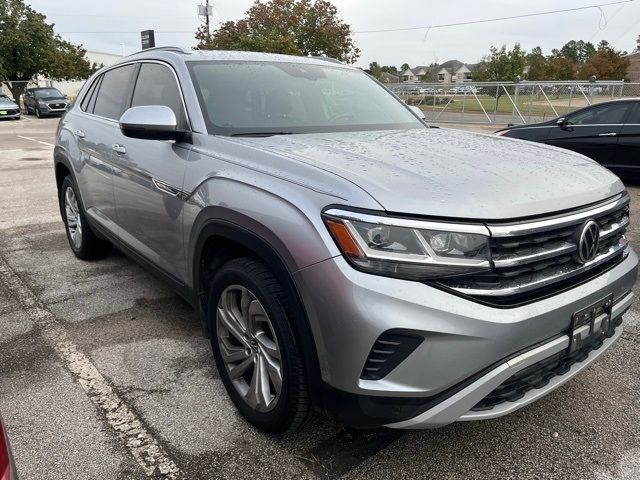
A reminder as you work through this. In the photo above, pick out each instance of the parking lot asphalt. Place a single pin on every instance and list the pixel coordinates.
(104, 374)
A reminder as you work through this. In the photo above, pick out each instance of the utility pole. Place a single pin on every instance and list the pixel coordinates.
(205, 11)
(207, 17)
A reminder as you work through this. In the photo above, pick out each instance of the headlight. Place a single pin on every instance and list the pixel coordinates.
(41, 103)
(410, 249)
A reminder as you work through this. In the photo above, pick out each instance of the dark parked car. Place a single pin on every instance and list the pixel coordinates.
(7, 465)
(8, 108)
(609, 133)
(45, 101)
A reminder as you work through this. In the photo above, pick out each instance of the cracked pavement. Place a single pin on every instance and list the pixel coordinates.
(104, 374)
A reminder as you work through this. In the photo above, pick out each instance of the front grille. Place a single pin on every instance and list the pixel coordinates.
(388, 351)
(539, 374)
(531, 259)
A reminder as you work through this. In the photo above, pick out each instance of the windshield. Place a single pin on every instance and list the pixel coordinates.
(258, 97)
(48, 93)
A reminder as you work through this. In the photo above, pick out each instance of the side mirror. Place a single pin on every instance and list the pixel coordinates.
(562, 122)
(418, 111)
(151, 122)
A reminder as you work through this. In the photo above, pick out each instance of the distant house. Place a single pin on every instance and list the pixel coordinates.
(633, 70)
(455, 71)
(416, 74)
(452, 71)
(387, 77)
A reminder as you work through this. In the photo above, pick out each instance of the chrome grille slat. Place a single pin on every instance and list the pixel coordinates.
(541, 280)
(541, 254)
(531, 257)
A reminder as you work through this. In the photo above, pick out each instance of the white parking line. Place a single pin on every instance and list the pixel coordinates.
(39, 141)
(141, 443)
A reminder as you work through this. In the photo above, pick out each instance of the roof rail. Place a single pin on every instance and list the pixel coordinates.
(166, 49)
(327, 59)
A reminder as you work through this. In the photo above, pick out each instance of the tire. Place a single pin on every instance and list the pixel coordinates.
(267, 305)
(83, 242)
(38, 114)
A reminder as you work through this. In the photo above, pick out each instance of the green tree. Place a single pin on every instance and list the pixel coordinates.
(29, 47)
(502, 64)
(578, 52)
(375, 70)
(405, 66)
(296, 27)
(537, 64)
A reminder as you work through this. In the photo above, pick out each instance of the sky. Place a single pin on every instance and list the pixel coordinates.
(175, 21)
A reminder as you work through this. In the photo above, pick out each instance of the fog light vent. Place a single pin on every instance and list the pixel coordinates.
(388, 351)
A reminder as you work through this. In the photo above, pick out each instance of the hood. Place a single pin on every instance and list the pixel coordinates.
(53, 99)
(450, 173)
(5, 102)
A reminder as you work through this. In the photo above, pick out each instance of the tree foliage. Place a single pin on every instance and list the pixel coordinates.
(606, 64)
(502, 64)
(29, 47)
(296, 27)
(578, 60)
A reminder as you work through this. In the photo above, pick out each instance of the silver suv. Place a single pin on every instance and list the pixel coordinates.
(345, 257)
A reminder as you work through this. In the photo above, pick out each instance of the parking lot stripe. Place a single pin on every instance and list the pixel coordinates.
(117, 414)
(38, 141)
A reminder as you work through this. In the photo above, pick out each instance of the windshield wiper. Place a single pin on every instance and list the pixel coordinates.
(260, 134)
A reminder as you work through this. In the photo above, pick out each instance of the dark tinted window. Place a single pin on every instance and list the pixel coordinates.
(157, 85)
(112, 94)
(634, 116)
(86, 101)
(601, 114)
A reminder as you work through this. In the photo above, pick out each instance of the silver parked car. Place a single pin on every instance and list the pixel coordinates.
(344, 257)
(8, 108)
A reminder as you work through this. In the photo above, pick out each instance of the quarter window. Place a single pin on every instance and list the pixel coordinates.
(90, 95)
(114, 89)
(156, 85)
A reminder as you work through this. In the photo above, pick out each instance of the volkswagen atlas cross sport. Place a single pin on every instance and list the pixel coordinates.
(345, 258)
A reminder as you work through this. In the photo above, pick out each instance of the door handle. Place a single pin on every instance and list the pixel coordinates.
(610, 134)
(119, 148)
(79, 133)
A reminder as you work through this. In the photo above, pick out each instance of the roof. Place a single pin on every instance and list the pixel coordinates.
(389, 76)
(231, 55)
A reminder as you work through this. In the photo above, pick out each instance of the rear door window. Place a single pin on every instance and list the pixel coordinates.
(157, 85)
(114, 91)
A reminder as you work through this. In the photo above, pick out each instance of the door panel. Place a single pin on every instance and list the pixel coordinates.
(597, 142)
(147, 182)
(148, 177)
(96, 174)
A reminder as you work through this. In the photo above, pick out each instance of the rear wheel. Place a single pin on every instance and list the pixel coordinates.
(254, 347)
(83, 242)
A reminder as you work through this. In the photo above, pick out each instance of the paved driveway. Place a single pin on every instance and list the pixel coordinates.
(104, 374)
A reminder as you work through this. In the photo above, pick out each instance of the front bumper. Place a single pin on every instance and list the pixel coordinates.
(462, 357)
(9, 113)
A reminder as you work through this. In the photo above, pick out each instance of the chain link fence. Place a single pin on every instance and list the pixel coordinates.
(503, 103)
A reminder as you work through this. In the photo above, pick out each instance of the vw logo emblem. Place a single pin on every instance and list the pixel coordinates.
(588, 241)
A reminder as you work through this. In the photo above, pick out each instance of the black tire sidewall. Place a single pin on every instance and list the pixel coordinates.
(66, 183)
(278, 420)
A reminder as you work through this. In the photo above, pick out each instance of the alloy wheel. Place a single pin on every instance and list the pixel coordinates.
(72, 212)
(249, 348)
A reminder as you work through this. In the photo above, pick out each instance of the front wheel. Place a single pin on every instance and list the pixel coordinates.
(254, 347)
(38, 114)
(83, 242)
